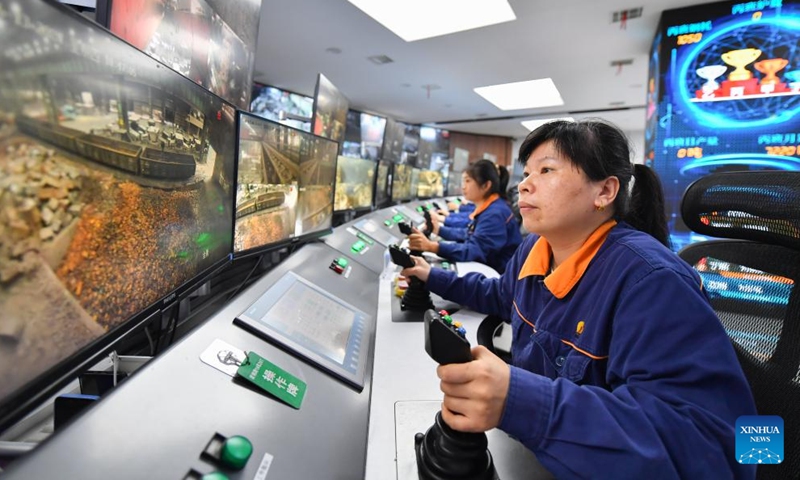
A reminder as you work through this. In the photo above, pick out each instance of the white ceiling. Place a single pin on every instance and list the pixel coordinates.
(571, 41)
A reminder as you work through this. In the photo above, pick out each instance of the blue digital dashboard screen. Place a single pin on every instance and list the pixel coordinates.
(723, 95)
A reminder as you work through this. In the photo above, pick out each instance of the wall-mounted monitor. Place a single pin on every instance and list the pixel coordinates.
(393, 137)
(211, 42)
(382, 183)
(284, 186)
(329, 119)
(401, 182)
(125, 202)
(355, 181)
(430, 184)
(282, 106)
(414, 183)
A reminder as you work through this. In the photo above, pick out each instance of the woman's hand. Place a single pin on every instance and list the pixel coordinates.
(436, 221)
(474, 392)
(421, 269)
(418, 241)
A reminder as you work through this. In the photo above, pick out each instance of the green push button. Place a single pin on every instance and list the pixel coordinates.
(398, 218)
(342, 262)
(214, 476)
(420, 209)
(445, 265)
(388, 223)
(236, 452)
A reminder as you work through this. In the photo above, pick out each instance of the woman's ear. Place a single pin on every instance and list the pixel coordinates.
(609, 188)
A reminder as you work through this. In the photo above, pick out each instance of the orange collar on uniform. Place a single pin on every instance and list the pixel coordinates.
(483, 206)
(563, 278)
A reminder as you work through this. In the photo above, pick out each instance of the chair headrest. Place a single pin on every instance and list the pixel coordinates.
(762, 206)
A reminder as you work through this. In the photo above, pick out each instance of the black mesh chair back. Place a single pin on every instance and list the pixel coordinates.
(751, 281)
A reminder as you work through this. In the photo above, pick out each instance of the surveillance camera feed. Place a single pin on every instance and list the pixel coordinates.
(317, 176)
(330, 110)
(355, 179)
(454, 183)
(414, 183)
(393, 137)
(372, 128)
(410, 145)
(382, 183)
(211, 42)
(267, 184)
(351, 146)
(284, 107)
(116, 182)
(430, 184)
(401, 183)
(285, 183)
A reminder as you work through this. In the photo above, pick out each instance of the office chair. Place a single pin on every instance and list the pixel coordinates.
(751, 282)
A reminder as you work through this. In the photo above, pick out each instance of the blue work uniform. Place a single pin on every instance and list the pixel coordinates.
(491, 238)
(620, 367)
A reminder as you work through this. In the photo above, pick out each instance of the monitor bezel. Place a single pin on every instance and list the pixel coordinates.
(387, 187)
(315, 112)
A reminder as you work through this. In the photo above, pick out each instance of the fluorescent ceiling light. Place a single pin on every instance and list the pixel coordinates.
(417, 19)
(515, 96)
(534, 124)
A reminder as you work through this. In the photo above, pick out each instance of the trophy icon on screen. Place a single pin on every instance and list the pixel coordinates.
(740, 59)
(794, 79)
(710, 73)
(769, 68)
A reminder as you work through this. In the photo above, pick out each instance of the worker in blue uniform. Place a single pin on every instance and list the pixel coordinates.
(492, 235)
(620, 367)
(460, 218)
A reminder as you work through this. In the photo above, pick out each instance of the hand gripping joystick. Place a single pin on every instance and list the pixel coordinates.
(444, 453)
(417, 297)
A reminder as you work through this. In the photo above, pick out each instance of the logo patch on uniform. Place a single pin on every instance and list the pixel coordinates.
(759, 439)
(579, 328)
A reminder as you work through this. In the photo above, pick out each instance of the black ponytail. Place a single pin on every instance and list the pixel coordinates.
(502, 172)
(646, 212)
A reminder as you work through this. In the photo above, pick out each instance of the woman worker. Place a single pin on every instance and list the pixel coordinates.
(620, 367)
(491, 237)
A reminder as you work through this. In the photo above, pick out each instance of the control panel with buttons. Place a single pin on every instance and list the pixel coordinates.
(339, 265)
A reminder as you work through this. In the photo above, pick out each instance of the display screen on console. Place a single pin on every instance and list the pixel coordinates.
(309, 321)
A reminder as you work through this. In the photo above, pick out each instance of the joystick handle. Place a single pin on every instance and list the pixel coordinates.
(428, 224)
(405, 228)
(445, 339)
(400, 257)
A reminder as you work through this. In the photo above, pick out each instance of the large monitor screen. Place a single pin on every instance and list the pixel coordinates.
(393, 138)
(284, 187)
(303, 318)
(351, 146)
(267, 186)
(372, 130)
(355, 180)
(723, 95)
(118, 177)
(382, 183)
(414, 183)
(430, 184)
(211, 42)
(330, 110)
(401, 183)
(434, 147)
(410, 145)
(284, 107)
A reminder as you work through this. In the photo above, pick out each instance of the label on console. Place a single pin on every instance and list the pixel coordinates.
(273, 379)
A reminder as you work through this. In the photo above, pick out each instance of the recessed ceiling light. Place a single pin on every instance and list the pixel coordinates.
(529, 94)
(534, 124)
(417, 19)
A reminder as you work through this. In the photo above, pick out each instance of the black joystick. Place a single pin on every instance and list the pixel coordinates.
(436, 206)
(405, 228)
(416, 297)
(428, 224)
(444, 453)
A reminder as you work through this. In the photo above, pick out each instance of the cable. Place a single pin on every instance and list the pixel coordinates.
(235, 292)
